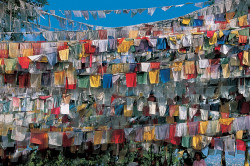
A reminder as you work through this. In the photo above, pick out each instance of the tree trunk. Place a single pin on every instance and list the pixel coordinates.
(246, 157)
(170, 151)
(223, 159)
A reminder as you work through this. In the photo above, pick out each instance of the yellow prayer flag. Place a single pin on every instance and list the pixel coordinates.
(186, 21)
(94, 81)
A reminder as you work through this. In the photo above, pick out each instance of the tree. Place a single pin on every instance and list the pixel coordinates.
(16, 14)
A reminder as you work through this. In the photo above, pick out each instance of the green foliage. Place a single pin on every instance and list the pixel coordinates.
(105, 158)
(37, 159)
(172, 156)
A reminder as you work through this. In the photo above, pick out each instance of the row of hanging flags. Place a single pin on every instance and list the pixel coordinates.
(187, 85)
(29, 10)
(102, 13)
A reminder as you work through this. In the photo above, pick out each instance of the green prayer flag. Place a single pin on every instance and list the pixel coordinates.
(142, 78)
(83, 81)
(206, 45)
(224, 60)
(231, 36)
(244, 32)
(185, 142)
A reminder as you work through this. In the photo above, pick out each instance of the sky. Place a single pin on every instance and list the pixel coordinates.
(117, 20)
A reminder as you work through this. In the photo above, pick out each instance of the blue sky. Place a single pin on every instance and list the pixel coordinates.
(116, 20)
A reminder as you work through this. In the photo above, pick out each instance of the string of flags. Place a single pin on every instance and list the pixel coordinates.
(71, 25)
(102, 13)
